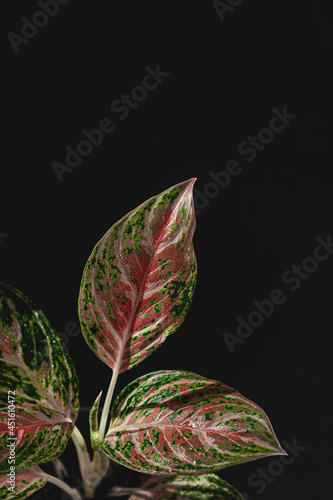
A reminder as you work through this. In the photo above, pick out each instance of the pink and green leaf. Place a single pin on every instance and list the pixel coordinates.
(177, 422)
(34, 362)
(27, 482)
(40, 435)
(138, 283)
(201, 487)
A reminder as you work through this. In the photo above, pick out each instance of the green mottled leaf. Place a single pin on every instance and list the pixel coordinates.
(93, 423)
(38, 383)
(179, 422)
(27, 482)
(139, 280)
(40, 435)
(203, 487)
(34, 362)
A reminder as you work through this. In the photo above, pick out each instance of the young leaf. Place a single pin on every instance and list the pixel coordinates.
(41, 435)
(139, 279)
(26, 482)
(34, 362)
(179, 422)
(93, 423)
(203, 487)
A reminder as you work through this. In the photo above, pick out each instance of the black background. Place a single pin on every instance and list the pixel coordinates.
(225, 79)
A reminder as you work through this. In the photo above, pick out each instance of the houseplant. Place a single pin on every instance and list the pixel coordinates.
(180, 427)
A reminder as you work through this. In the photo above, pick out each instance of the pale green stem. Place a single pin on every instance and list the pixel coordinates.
(92, 471)
(72, 492)
(82, 452)
(59, 468)
(107, 403)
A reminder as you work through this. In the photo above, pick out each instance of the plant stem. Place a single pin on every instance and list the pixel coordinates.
(82, 452)
(92, 471)
(107, 403)
(72, 492)
(59, 468)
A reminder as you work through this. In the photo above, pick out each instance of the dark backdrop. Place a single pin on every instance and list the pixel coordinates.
(226, 72)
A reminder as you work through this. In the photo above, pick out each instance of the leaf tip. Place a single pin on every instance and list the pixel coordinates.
(187, 185)
(278, 450)
(190, 182)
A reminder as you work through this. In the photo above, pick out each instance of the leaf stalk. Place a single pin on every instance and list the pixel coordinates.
(107, 403)
(72, 492)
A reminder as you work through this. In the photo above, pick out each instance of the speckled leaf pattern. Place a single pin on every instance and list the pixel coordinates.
(27, 482)
(139, 279)
(179, 422)
(202, 487)
(34, 362)
(41, 435)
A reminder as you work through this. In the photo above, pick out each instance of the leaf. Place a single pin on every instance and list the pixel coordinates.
(27, 482)
(34, 362)
(179, 422)
(139, 280)
(93, 423)
(203, 487)
(41, 435)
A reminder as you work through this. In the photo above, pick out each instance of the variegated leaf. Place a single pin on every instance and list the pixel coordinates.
(34, 362)
(139, 279)
(202, 487)
(40, 435)
(93, 423)
(26, 483)
(179, 422)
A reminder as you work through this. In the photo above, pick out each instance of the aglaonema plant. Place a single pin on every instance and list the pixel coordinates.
(180, 427)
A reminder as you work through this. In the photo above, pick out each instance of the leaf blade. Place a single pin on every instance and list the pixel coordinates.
(202, 487)
(34, 361)
(139, 280)
(41, 435)
(93, 423)
(179, 422)
(27, 482)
